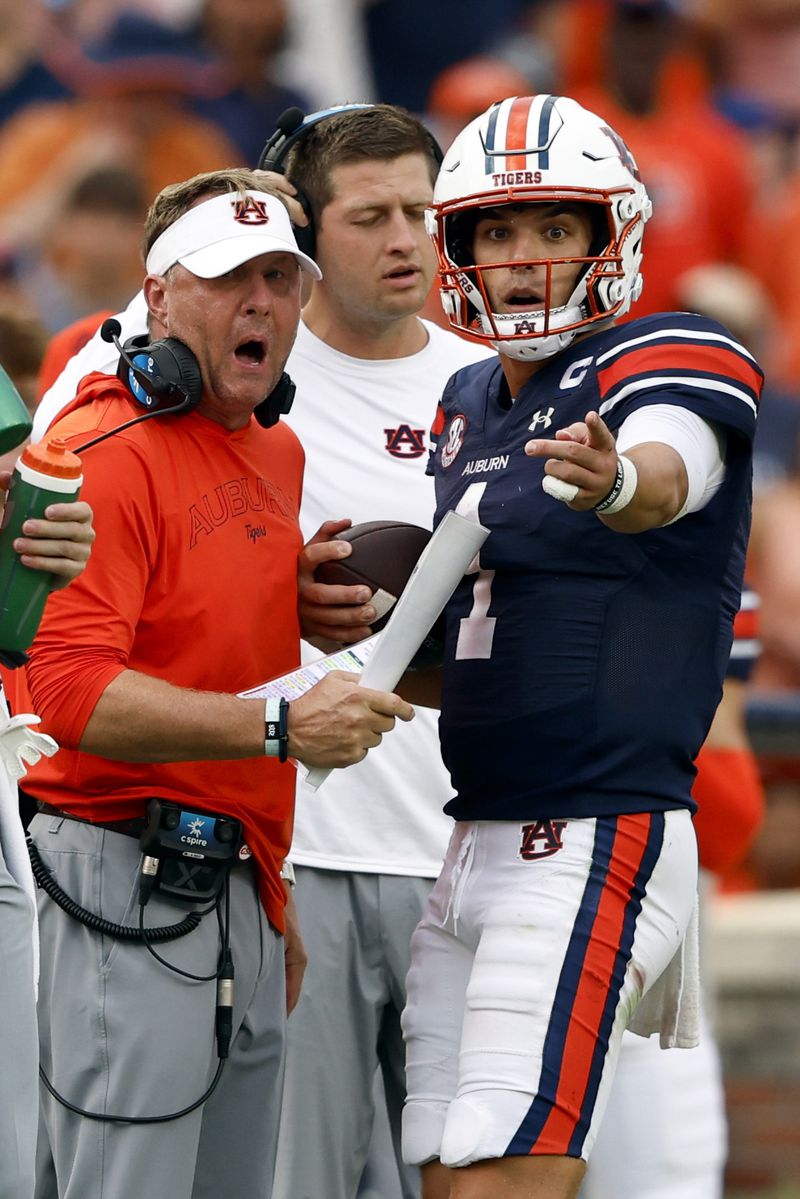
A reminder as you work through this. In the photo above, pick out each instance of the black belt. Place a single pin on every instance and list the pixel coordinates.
(128, 828)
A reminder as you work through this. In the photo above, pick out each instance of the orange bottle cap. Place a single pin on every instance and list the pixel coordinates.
(52, 458)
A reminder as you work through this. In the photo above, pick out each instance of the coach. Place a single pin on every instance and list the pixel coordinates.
(191, 599)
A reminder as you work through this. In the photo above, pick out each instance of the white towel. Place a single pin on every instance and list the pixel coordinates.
(12, 836)
(671, 1007)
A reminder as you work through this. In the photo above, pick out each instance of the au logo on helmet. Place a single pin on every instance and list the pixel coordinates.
(625, 155)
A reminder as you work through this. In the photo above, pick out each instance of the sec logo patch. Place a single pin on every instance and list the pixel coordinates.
(455, 439)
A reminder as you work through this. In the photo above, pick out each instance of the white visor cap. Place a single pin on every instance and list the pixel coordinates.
(220, 234)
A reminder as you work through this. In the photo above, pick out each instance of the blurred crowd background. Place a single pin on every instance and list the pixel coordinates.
(102, 103)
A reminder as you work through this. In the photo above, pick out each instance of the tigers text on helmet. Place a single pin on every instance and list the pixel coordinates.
(539, 150)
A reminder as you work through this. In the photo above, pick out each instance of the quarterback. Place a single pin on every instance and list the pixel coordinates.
(584, 655)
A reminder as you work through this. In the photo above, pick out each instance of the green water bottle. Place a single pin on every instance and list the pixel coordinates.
(15, 420)
(46, 473)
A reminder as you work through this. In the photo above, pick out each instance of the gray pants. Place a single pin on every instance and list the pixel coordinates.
(121, 1034)
(19, 1054)
(357, 929)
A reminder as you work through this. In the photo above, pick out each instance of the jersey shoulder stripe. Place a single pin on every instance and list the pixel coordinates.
(681, 354)
(672, 326)
(690, 357)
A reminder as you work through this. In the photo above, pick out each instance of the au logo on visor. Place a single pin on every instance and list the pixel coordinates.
(250, 211)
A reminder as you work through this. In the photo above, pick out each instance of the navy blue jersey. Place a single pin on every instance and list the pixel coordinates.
(583, 666)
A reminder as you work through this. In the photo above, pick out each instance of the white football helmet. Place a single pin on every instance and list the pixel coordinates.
(530, 150)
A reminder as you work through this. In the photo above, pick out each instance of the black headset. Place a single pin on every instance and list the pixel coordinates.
(161, 375)
(164, 377)
(291, 126)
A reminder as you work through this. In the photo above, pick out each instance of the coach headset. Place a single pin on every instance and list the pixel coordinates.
(291, 127)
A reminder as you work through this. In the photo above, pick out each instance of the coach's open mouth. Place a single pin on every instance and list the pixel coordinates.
(252, 352)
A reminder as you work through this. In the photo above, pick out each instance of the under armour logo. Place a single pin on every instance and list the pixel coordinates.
(541, 839)
(250, 211)
(545, 419)
(405, 442)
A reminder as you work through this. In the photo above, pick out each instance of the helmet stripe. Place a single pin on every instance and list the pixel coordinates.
(544, 132)
(517, 132)
(491, 131)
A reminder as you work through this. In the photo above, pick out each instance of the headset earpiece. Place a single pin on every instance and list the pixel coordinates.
(277, 404)
(291, 126)
(161, 375)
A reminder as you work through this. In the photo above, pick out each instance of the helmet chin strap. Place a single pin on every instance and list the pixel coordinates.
(540, 345)
(535, 351)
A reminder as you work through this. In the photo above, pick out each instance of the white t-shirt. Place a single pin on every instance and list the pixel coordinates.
(364, 427)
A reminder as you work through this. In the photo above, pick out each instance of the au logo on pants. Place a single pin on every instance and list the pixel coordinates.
(541, 839)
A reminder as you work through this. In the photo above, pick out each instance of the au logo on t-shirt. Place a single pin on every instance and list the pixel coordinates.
(405, 442)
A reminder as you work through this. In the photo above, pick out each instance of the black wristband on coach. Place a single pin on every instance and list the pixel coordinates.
(276, 729)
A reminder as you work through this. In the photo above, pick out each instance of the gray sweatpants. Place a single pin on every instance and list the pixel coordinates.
(121, 1034)
(357, 930)
(19, 1054)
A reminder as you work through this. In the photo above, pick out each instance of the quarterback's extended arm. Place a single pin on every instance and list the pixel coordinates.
(665, 462)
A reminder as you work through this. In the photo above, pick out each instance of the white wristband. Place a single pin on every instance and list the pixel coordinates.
(624, 488)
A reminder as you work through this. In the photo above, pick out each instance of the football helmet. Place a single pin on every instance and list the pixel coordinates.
(530, 150)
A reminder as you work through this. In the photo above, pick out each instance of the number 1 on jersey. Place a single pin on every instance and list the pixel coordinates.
(476, 631)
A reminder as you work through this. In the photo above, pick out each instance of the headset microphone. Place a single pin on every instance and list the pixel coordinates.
(110, 329)
(287, 123)
(151, 370)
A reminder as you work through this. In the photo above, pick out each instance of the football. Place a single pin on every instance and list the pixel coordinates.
(384, 555)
